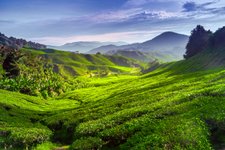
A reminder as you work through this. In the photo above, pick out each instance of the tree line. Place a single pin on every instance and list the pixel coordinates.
(201, 40)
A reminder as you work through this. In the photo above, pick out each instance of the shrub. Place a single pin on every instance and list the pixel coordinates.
(24, 137)
(87, 143)
(45, 146)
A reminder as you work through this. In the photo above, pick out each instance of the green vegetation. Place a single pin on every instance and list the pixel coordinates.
(72, 64)
(177, 106)
(49, 73)
(31, 75)
(202, 40)
(148, 56)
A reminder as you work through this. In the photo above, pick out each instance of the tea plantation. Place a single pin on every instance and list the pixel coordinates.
(180, 105)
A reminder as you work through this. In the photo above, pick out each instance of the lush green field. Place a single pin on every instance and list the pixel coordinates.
(73, 64)
(180, 105)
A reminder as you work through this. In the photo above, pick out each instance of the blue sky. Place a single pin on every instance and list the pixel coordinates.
(57, 22)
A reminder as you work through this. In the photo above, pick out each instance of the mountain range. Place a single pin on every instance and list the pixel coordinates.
(166, 43)
(168, 46)
(84, 46)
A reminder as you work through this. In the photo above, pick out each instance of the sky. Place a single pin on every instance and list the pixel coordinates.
(55, 22)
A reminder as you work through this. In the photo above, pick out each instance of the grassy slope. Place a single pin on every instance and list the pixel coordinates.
(178, 106)
(148, 57)
(67, 63)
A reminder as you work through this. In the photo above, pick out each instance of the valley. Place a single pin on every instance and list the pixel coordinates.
(52, 99)
(112, 75)
(163, 109)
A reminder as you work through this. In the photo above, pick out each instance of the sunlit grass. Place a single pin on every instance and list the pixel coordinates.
(177, 106)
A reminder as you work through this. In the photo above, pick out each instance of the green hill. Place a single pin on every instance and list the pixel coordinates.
(177, 106)
(146, 56)
(73, 64)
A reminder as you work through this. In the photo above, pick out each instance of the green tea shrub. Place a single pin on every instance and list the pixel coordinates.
(87, 143)
(25, 137)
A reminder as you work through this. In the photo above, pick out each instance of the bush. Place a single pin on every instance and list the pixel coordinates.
(87, 143)
(45, 146)
(22, 137)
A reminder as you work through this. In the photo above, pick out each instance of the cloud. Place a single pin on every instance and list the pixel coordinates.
(189, 6)
(129, 18)
(129, 15)
(149, 15)
(117, 21)
(192, 6)
(204, 11)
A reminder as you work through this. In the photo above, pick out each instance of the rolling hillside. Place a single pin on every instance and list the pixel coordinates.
(73, 64)
(112, 75)
(145, 56)
(177, 106)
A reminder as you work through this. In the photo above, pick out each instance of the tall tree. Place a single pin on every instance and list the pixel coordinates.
(198, 41)
(218, 38)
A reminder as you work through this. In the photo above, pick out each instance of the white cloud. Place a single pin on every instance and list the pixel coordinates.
(163, 14)
(135, 14)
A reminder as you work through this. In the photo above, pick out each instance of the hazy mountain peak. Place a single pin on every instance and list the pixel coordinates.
(85, 46)
(167, 42)
(168, 37)
(170, 33)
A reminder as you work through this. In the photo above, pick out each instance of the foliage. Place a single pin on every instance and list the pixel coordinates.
(198, 41)
(69, 64)
(35, 77)
(87, 143)
(217, 40)
(167, 108)
(178, 105)
(9, 64)
(202, 40)
(45, 146)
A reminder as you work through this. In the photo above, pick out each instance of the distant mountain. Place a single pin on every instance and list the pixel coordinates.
(167, 43)
(84, 46)
(107, 48)
(19, 43)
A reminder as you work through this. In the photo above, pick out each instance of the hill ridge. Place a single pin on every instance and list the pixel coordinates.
(167, 42)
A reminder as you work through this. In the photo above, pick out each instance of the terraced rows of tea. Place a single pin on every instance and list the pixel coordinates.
(73, 64)
(169, 108)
